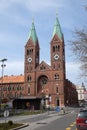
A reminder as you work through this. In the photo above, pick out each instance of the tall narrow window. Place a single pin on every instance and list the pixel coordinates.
(27, 52)
(28, 91)
(53, 48)
(56, 89)
(58, 48)
(29, 78)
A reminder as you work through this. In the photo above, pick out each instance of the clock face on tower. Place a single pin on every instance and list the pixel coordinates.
(29, 59)
(56, 56)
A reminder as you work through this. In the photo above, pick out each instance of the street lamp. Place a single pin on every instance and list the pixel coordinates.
(1, 88)
(43, 100)
(49, 100)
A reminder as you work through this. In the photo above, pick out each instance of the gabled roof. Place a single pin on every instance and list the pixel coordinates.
(33, 34)
(44, 65)
(57, 29)
(12, 79)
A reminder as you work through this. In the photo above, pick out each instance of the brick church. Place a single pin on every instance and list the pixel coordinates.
(41, 84)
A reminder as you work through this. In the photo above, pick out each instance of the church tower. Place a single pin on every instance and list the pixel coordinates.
(57, 51)
(31, 60)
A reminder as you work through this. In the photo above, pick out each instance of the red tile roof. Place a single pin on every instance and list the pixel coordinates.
(12, 79)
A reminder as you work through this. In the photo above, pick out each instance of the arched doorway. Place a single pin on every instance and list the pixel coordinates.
(41, 90)
(41, 83)
(57, 102)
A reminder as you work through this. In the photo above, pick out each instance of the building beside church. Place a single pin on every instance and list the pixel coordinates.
(41, 84)
(82, 95)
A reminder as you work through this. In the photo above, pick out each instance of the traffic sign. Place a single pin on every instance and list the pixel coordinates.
(6, 113)
(57, 109)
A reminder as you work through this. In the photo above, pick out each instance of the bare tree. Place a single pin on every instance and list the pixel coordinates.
(79, 48)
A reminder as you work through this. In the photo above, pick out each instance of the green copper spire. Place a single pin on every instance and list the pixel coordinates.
(32, 34)
(57, 29)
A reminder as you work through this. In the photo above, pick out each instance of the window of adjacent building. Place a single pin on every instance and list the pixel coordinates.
(16, 95)
(80, 96)
(56, 76)
(20, 94)
(9, 88)
(13, 88)
(18, 88)
(22, 88)
(81, 91)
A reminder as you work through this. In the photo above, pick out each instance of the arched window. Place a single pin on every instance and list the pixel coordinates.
(20, 94)
(56, 76)
(43, 80)
(29, 90)
(29, 51)
(42, 67)
(29, 78)
(53, 48)
(58, 47)
(56, 89)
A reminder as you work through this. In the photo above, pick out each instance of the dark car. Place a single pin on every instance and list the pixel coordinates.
(81, 120)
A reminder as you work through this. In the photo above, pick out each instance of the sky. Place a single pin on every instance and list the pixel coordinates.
(15, 23)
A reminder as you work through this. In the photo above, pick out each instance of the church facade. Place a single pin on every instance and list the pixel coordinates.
(44, 84)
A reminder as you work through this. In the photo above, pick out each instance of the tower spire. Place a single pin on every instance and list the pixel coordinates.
(32, 33)
(57, 29)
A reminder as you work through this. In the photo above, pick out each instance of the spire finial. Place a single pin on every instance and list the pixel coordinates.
(32, 33)
(32, 20)
(57, 28)
(57, 14)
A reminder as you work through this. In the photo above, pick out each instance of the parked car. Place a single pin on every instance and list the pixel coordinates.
(81, 120)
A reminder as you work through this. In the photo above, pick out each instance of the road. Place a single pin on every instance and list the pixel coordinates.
(55, 122)
(60, 123)
(48, 121)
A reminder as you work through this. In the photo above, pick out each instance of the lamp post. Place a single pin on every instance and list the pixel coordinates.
(42, 100)
(49, 99)
(1, 88)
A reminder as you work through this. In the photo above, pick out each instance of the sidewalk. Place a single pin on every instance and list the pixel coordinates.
(30, 120)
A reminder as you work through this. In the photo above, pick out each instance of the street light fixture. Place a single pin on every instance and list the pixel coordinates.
(1, 88)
